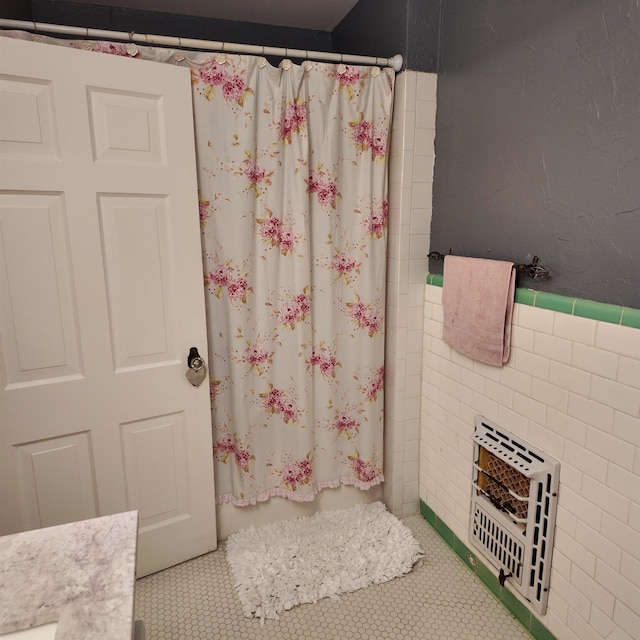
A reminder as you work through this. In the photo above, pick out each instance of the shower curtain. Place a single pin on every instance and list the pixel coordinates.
(293, 207)
(292, 164)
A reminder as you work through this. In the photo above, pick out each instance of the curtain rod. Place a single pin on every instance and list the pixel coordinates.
(207, 45)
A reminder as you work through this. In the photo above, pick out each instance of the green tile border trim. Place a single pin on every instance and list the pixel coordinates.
(487, 576)
(435, 279)
(631, 317)
(614, 314)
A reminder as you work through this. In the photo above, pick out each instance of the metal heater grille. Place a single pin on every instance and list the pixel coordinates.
(513, 508)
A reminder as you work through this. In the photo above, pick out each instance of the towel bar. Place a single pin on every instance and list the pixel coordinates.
(533, 269)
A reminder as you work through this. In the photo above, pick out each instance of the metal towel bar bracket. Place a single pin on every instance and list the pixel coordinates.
(533, 269)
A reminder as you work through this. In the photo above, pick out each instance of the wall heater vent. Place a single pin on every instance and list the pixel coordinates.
(513, 509)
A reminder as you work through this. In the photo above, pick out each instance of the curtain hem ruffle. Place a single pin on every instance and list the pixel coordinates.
(294, 496)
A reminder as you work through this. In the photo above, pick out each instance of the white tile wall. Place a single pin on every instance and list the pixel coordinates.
(572, 386)
(410, 187)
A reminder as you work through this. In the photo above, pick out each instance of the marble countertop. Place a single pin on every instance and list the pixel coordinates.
(80, 575)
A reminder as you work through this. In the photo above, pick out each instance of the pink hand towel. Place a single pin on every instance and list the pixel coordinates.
(477, 301)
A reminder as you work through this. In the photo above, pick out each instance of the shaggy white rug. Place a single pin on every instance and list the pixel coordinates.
(281, 565)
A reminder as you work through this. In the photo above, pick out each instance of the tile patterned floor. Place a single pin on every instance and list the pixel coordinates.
(439, 600)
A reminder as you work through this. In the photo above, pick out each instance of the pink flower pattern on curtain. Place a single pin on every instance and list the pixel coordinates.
(293, 209)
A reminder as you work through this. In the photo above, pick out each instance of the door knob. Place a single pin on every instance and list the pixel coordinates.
(196, 367)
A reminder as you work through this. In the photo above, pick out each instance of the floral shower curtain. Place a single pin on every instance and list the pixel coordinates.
(292, 172)
(293, 207)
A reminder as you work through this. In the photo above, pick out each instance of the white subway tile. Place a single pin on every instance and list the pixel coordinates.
(421, 222)
(556, 620)
(581, 626)
(536, 319)
(550, 394)
(591, 412)
(411, 450)
(516, 380)
(522, 338)
(601, 622)
(621, 534)
(627, 619)
(483, 405)
(598, 544)
(634, 516)
(566, 522)
(585, 511)
(570, 378)
(423, 164)
(610, 447)
(618, 585)
(486, 370)
(396, 170)
(588, 358)
(498, 392)
(433, 328)
(574, 328)
(426, 114)
(450, 369)
(532, 364)
(561, 564)
(616, 395)
(512, 421)
(410, 469)
(572, 596)
(472, 380)
(414, 364)
(619, 339)
(440, 348)
(415, 321)
(605, 498)
(418, 248)
(416, 293)
(413, 387)
(588, 462)
(405, 219)
(547, 440)
(568, 427)
(624, 482)
(426, 84)
(412, 413)
(552, 347)
(433, 294)
(530, 408)
(570, 477)
(411, 79)
(400, 89)
(593, 589)
(630, 568)
(421, 195)
(629, 372)
(423, 146)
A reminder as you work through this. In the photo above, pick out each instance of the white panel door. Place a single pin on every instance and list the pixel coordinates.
(101, 297)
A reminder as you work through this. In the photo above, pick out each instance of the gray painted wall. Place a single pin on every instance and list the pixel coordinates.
(15, 9)
(383, 28)
(373, 28)
(538, 141)
(117, 19)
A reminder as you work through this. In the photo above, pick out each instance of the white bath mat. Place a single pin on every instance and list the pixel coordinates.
(281, 565)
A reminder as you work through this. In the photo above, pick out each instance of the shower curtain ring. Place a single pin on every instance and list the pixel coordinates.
(131, 34)
(35, 26)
